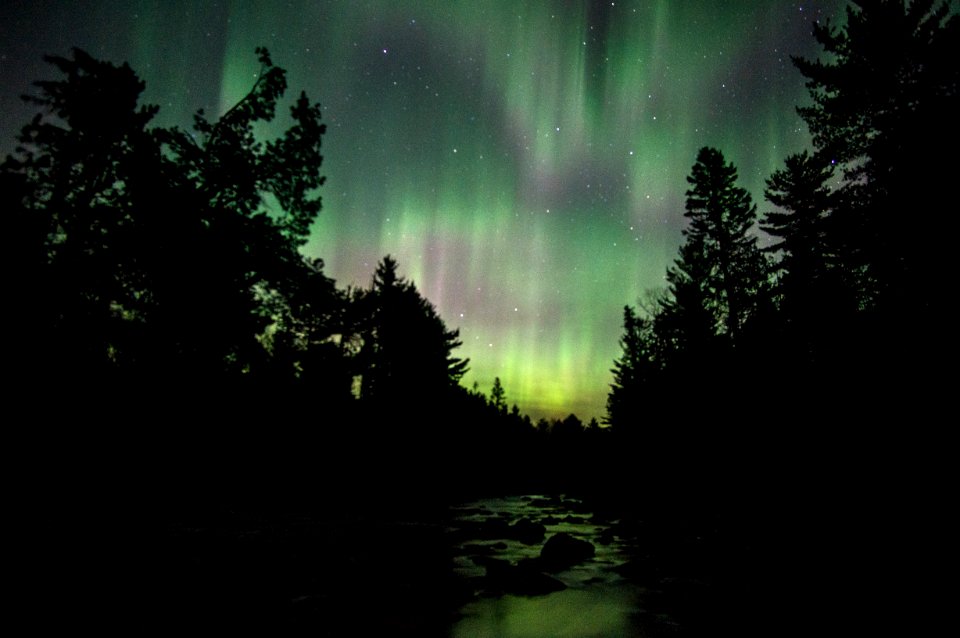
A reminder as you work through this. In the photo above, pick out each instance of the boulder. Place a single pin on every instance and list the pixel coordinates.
(562, 551)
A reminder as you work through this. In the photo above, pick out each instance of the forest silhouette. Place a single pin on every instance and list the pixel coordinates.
(162, 279)
(193, 364)
(844, 310)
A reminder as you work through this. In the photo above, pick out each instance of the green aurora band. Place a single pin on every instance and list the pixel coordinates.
(525, 162)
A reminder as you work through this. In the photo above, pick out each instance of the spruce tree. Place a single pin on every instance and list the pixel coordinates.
(498, 397)
(801, 192)
(634, 372)
(720, 278)
(407, 349)
(701, 329)
(816, 294)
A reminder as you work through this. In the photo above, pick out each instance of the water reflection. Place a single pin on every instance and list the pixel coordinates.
(598, 611)
(597, 601)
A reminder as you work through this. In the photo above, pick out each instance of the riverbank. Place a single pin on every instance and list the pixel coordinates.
(223, 538)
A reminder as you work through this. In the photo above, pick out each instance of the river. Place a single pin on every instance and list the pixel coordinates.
(597, 600)
(510, 566)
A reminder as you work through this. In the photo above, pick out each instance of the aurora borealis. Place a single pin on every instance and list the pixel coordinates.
(525, 162)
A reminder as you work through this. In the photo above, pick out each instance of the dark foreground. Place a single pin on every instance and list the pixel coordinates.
(278, 538)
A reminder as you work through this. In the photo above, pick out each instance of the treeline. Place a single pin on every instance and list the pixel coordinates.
(158, 291)
(169, 259)
(789, 398)
(155, 279)
(842, 319)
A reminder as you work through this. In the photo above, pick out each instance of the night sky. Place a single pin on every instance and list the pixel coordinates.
(525, 162)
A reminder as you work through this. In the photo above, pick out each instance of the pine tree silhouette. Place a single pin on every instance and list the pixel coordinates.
(720, 278)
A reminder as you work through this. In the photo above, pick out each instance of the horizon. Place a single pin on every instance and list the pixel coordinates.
(526, 165)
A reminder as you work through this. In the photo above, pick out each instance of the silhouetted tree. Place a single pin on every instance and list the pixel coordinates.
(73, 174)
(633, 373)
(498, 397)
(685, 324)
(884, 98)
(816, 294)
(251, 274)
(704, 331)
(801, 191)
(156, 253)
(407, 349)
(313, 341)
(720, 279)
(567, 429)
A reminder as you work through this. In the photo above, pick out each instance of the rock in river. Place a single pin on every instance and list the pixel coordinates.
(562, 551)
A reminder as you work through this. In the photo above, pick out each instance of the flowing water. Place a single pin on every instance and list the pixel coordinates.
(597, 601)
